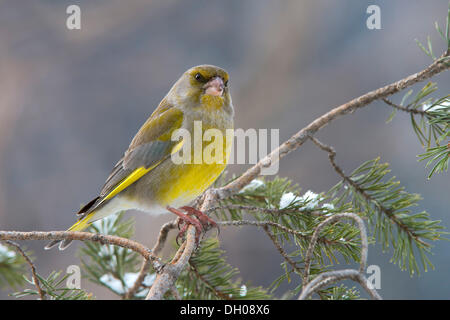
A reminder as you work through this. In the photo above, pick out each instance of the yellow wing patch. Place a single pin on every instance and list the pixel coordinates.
(133, 177)
(82, 223)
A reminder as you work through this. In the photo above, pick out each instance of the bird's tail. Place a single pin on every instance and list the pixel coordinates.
(80, 225)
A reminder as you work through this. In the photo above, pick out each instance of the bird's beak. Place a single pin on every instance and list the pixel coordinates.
(214, 87)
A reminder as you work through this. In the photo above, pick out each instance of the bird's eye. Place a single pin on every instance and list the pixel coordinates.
(199, 77)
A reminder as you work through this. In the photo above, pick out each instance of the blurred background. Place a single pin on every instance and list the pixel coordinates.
(71, 100)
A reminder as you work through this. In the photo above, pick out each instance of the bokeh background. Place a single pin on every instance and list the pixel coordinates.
(71, 100)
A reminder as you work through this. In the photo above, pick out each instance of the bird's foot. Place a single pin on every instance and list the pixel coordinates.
(206, 221)
(188, 220)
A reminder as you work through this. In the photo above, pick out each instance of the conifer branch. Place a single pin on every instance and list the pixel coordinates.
(281, 250)
(432, 127)
(387, 211)
(167, 279)
(211, 277)
(326, 278)
(218, 293)
(404, 109)
(265, 224)
(54, 288)
(32, 267)
(334, 218)
(273, 211)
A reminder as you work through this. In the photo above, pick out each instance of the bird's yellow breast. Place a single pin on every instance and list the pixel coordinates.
(184, 182)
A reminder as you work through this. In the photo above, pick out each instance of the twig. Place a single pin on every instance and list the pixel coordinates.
(327, 278)
(175, 293)
(273, 211)
(264, 223)
(330, 277)
(402, 108)
(138, 282)
(146, 263)
(163, 236)
(165, 279)
(33, 268)
(281, 250)
(334, 218)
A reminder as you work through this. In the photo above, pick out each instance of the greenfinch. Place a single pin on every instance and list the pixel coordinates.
(146, 178)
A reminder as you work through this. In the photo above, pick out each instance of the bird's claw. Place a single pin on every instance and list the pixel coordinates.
(206, 221)
(188, 220)
(201, 223)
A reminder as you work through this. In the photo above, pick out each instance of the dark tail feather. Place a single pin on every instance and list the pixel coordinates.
(51, 244)
(63, 244)
(88, 206)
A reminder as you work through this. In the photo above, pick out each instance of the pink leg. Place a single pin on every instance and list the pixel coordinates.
(204, 219)
(186, 218)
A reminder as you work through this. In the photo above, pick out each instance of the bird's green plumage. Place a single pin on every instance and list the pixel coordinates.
(150, 146)
(146, 178)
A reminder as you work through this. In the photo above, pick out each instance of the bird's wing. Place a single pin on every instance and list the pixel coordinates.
(151, 145)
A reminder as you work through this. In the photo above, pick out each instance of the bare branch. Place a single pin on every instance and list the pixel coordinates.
(327, 278)
(138, 282)
(165, 280)
(84, 236)
(163, 236)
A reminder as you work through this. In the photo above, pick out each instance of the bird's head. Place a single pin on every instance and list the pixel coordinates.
(200, 85)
